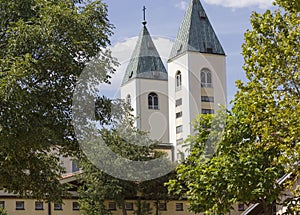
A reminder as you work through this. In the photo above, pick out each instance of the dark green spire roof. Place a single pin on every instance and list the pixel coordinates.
(196, 33)
(145, 61)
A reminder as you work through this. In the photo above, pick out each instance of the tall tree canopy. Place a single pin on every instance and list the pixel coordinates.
(261, 141)
(44, 46)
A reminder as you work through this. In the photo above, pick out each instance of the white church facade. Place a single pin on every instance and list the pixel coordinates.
(166, 101)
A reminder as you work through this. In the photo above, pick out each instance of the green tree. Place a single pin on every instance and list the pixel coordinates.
(260, 142)
(143, 208)
(44, 46)
(271, 52)
(155, 190)
(98, 186)
(270, 99)
(127, 141)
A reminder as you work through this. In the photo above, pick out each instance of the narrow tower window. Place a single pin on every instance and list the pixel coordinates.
(128, 99)
(207, 99)
(179, 129)
(178, 114)
(206, 78)
(178, 81)
(208, 111)
(153, 101)
(178, 102)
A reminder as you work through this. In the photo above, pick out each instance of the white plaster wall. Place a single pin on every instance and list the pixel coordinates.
(131, 89)
(156, 122)
(178, 64)
(217, 65)
(190, 65)
(153, 121)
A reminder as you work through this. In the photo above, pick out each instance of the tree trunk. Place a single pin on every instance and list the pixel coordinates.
(157, 207)
(139, 205)
(124, 212)
(268, 209)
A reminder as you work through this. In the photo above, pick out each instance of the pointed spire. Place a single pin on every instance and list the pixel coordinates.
(196, 33)
(145, 61)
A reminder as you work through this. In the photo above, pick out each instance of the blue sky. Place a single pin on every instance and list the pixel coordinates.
(229, 18)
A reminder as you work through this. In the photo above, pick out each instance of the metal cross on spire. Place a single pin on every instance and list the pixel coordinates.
(144, 13)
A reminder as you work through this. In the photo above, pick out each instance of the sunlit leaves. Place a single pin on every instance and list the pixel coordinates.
(44, 46)
(261, 138)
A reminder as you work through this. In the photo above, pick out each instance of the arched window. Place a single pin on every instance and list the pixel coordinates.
(128, 99)
(206, 78)
(178, 80)
(152, 101)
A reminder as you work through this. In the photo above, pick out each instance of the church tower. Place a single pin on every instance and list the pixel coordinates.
(145, 88)
(196, 74)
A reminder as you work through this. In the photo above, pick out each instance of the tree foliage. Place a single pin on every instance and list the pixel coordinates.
(143, 208)
(155, 190)
(127, 141)
(44, 46)
(260, 142)
(3, 211)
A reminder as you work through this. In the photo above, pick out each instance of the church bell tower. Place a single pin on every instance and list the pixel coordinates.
(196, 74)
(145, 88)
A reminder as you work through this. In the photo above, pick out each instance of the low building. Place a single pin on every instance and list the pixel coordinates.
(16, 205)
